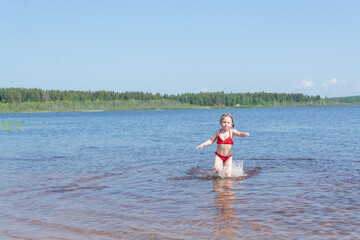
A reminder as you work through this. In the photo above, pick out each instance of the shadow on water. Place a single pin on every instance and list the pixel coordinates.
(209, 174)
(288, 159)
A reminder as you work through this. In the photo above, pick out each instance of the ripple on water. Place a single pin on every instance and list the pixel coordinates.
(120, 175)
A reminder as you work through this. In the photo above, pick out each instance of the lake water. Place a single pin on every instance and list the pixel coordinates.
(136, 175)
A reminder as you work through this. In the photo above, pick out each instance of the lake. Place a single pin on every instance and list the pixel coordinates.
(136, 175)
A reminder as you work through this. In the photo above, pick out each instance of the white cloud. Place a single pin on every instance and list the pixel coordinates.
(306, 83)
(204, 89)
(332, 82)
(333, 87)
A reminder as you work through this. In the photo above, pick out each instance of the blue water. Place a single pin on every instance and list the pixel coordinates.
(136, 175)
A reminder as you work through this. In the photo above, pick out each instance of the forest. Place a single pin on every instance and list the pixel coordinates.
(34, 99)
(349, 100)
(21, 95)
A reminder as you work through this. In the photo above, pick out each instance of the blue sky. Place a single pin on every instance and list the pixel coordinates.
(173, 46)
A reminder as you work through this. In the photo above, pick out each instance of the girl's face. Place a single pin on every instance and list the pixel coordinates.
(226, 123)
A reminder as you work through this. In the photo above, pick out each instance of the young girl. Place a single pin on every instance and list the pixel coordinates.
(224, 136)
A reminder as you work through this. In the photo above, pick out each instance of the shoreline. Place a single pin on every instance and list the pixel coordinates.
(22, 100)
(183, 107)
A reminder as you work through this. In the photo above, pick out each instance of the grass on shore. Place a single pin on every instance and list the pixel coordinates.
(121, 105)
(65, 106)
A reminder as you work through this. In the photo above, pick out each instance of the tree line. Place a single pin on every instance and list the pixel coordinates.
(350, 100)
(24, 95)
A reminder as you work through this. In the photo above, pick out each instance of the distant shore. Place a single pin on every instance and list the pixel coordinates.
(132, 105)
(22, 100)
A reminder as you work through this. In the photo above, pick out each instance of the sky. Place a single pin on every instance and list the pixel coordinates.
(179, 46)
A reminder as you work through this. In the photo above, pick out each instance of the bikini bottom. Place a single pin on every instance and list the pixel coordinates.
(223, 158)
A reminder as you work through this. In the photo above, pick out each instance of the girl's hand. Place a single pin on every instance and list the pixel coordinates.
(246, 134)
(200, 146)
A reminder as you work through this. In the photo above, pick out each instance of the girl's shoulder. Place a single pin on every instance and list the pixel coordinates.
(234, 132)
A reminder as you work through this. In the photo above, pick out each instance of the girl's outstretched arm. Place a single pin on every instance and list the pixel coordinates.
(240, 134)
(208, 142)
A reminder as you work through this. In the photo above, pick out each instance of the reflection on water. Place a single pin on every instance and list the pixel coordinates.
(225, 220)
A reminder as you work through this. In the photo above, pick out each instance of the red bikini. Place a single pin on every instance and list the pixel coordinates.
(226, 141)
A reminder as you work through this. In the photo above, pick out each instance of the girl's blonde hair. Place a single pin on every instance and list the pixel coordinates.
(225, 115)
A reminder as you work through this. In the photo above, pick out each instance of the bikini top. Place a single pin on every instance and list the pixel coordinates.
(226, 141)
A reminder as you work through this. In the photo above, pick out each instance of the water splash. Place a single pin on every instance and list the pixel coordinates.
(237, 171)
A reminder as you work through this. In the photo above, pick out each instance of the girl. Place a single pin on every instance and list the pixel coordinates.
(224, 136)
